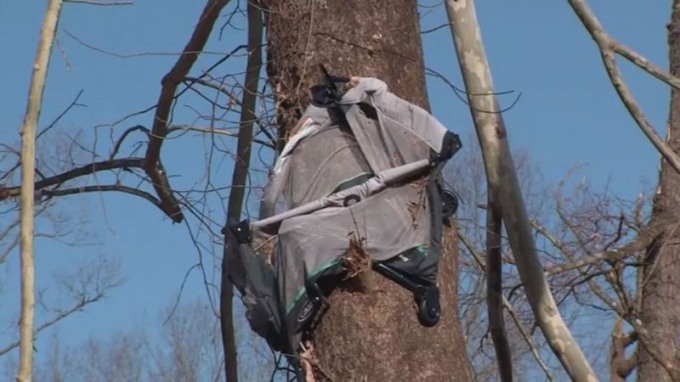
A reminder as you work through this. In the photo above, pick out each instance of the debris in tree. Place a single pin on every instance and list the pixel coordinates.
(310, 365)
(308, 361)
(346, 172)
(356, 259)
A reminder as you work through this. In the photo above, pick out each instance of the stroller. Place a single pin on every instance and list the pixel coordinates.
(358, 176)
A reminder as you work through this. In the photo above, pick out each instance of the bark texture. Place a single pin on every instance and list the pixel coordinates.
(504, 187)
(27, 203)
(494, 286)
(371, 336)
(660, 312)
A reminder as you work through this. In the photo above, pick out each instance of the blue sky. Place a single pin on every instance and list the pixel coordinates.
(568, 114)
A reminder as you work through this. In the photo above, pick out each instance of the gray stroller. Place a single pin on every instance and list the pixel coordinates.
(359, 177)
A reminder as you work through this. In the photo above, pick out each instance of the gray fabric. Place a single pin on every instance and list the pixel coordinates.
(403, 132)
(313, 241)
(384, 137)
(362, 191)
(313, 120)
(321, 162)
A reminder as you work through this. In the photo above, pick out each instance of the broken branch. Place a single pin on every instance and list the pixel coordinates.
(170, 81)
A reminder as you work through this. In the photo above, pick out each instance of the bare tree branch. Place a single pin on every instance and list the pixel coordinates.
(508, 307)
(643, 241)
(219, 88)
(78, 306)
(62, 114)
(89, 169)
(238, 182)
(608, 48)
(99, 3)
(620, 366)
(494, 287)
(27, 203)
(105, 188)
(127, 132)
(170, 81)
(209, 130)
(623, 311)
(502, 178)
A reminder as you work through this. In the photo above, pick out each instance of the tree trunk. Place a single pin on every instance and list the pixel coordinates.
(660, 311)
(374, 335)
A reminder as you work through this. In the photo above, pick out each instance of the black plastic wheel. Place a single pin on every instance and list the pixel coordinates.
(429, 311)
(449, 203)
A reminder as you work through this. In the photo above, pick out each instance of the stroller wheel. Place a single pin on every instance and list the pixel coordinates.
(429, 311)
(449, 203)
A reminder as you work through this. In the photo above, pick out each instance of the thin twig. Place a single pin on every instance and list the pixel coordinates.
(646, 237)
(216, 131)
(127, 132)
(219, 88)
(56, 319)
(62, 114)
(99, 3)
(136, 55)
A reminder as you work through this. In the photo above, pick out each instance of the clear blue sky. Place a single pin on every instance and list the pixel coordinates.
(568, 114)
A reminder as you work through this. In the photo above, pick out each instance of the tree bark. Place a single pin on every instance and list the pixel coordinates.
(494, 285)
(238, 181)
(371, 336)
(504, 186)
(660, 312)
(31, 118)
(152, 163)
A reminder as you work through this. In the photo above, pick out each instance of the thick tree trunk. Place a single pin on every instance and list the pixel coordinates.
(372, 336)
(660, 311)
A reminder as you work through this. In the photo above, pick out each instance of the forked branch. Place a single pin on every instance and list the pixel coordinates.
(179, 71)
(608, 49)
